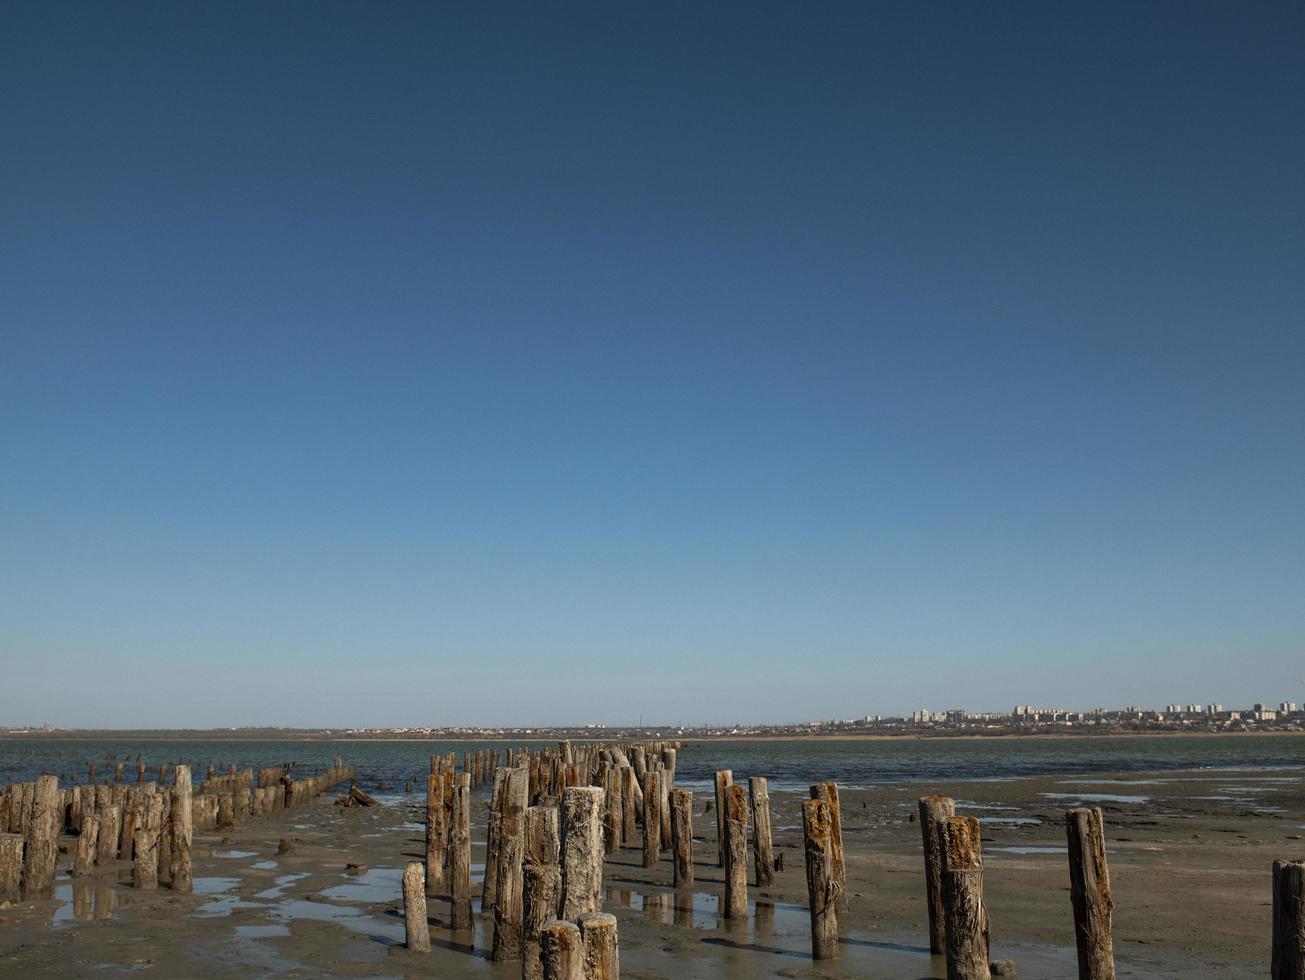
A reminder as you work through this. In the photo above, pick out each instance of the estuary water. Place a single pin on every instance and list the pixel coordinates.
(790, 764)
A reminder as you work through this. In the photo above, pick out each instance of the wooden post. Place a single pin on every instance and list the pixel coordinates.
(612, 810)
(11, 867)
(543, 835)
(582, 851)
(417, 930)
(435, 832)
(489, 887)
(543, 889)
(628, 786)
(829, 793)
(460, 855)
(736, 852)
(145, 871)
(1089, 891)
(1288, 960)
(183, 830)
(602, 959)
(106, 847)
(563, 951)
(724, 779)
(664, 805)
(508, 913)
(934, 811)
(652, 817)
(41, 848)
(822, 891)
(967, 919)
(86, 841)
(682, 838)
(763, 848)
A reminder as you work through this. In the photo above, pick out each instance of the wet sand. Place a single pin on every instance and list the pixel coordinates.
(1189, 856)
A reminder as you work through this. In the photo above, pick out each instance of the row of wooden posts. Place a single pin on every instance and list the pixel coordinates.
(553, 815)
(150, 824)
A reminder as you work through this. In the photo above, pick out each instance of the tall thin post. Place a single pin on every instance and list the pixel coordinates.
(183, 831)
(652, 817)
(934, 811)
(724, 779)
(582, 851)
(822, 892)
(763, 848)
(736, 853)
(416, 929)
(1288, 960)
(967, 918)
(1089, 892)
(460, 855)
(508, 912)
(682, 838)
(829, 793)
(42, 845)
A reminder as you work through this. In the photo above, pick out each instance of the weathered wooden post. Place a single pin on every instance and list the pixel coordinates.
(145, 870)
(460, 855)
(612, 811)
(11, 867)
(682, 838)
(86, 842)
(183, 830)
(489, 886)
(416, 929)
(1089, 891)
(41, 848)
(822, 891)
(582, 851)
(508, 912)
(724, 779)
(763, 848)
(736, 852)
(628, 786)
(106, 846)
(967, 918)
(1288, 960)
(435, 832)
(829, 793)
(563, 951)
(543, 889)
(934, 811)
(602, 958)
(652, 817)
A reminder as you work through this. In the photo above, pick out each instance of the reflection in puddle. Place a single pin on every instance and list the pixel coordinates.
(1097, 797)
(350, 918)
(1012, 820)
(235, 854)
(265, 865)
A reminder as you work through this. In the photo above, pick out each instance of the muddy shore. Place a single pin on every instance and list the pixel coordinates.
(1189, 857)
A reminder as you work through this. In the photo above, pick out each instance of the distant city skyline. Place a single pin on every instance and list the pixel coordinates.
(519, 363)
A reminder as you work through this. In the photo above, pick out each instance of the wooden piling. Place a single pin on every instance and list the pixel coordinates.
(822, 890)
(966, 917)
(736, 852)
(602, 957)
(652, 817)
(542, 892)
(829, 793)
(612, 810)
(106, 846)
(86, 842)
(183, 830)
(628, 803)
(11, 867)
(460, 855)
(508, 912)
(934, 811)
(435, 832)
(489, 886)
(763, 848)
(563, 952)
(1288, 955)
(724, 779)
(41, 848)
(145, 869)
(416, 929)
(682, 838)
(582, 851)
(1089, 892)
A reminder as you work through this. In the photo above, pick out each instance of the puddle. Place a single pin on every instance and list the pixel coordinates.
(85, 900)
(1026, 850)
(1011, 820)
(262, 932)
(350, 918)
(213, 886)
(373, 885)
(265, 865)
(235, 854)
(1097, 797)
(219, 903)
(282, 883)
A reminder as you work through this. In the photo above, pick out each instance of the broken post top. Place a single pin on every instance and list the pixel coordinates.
(964, 851)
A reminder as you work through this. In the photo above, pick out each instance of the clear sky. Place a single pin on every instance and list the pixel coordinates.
(451, 363)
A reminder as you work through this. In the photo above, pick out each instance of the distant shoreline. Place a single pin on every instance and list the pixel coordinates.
(179, 736)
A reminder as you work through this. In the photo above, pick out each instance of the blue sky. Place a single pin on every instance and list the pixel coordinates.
(421, 363)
